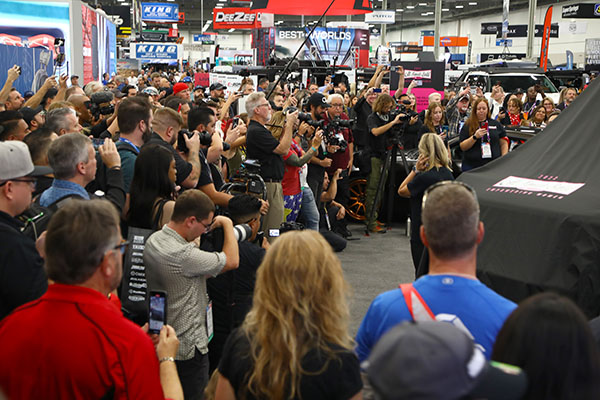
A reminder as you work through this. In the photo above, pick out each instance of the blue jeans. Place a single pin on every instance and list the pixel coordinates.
(308, 210)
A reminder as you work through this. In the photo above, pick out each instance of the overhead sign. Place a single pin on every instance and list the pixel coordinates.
(582, 10)
(160, 12)
(501, 42)
(236, 18)
(380, 17)
(155, 51)
(205, 39)
(448, 41)
(408, 49)
(592, 54)
(121, 17)
(516, 31)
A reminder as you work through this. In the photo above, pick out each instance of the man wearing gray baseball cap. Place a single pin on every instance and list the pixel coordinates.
(21, 267)
(433, 360)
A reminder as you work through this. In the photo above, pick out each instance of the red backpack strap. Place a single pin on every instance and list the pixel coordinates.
(419, 310)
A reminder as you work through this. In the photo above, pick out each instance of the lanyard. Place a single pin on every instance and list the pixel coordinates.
(137, 149)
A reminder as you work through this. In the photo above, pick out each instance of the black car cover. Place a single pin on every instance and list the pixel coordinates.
(541, 208)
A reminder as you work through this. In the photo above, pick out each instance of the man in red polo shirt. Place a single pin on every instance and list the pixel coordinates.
(73, 343)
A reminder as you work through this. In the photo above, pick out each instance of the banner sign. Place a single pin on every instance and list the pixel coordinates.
(204, 39)
(582, 10)
(237, 18)
(429, 76)
(408, 49)
(503, 42)
(160, 12)
(380, 17)
(592, 54)
(448, 41)
(154, 51)
(121, 17)
(500, 56)
(516, 31)
(349, 46)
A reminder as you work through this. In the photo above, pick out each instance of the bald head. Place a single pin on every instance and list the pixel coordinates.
(78, 100)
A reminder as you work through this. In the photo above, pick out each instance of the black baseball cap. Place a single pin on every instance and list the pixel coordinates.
(217, 86)
(317, 99)
(436, 360)
(30, 113)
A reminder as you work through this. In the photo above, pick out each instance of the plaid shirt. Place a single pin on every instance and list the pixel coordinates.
(455, 118)
(180, 268)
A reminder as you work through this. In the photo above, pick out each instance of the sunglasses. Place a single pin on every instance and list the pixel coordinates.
(446, 183)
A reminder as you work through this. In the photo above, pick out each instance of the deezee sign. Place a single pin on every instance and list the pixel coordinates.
(238, 18)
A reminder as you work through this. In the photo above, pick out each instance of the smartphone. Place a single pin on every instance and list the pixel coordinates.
(419, 82)
(377, 90)
(273, 232)
(97, 142)
(235, 122)
(473, 91)
(157, 311)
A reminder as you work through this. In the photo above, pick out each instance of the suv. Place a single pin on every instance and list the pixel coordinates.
(510, 79)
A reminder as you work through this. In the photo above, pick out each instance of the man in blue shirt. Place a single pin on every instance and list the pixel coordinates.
(73, 159)
(451, 293)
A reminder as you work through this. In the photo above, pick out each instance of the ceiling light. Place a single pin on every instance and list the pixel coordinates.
(424, 14)
(445, 9)
(410, 7)
(423, 4)
(459, 6)
(399, 10)
(231, 30)
(219, 6)
(473, 3)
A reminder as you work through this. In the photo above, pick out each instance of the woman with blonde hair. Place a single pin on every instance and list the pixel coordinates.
(433, 165)
(294, 342)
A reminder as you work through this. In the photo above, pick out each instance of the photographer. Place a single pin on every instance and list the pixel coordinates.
(318, 105)
(175, 264)
(337, 125)
(262, 146)
(380, 122)
(231, 292)
(166, 125)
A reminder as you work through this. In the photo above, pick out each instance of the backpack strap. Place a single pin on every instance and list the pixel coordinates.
(419, 310)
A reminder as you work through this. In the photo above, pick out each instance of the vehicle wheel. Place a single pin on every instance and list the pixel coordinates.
(356, 206)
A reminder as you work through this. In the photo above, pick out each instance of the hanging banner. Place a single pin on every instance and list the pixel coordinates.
(313, 7)
(546, 40)
(235, 18)
(504, 30)
(160, 12)
(205, 38)
(582, 10)
(429, 77)
(154, 51)
(448, 41)
(121, 17)
(349, 46)
(380, 17)
(592, 54)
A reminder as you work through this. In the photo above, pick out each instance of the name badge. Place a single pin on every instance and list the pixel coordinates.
(209, 322)
(486, 150)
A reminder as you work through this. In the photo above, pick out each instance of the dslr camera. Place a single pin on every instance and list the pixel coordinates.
(332, 132)
(101, 104)
(205, 139)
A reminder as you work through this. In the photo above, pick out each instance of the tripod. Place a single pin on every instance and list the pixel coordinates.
(391, 155)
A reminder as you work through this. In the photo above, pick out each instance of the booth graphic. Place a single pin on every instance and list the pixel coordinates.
(344, 46)
(27, 33)
(156, 52)
(429, 77)
(99, 45)
(160, 12)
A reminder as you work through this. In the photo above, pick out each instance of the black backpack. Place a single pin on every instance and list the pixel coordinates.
(36, 218)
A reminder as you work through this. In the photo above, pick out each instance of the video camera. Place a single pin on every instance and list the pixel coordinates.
(101, 104)
(332, 132)
(401, 109)
(247, 179)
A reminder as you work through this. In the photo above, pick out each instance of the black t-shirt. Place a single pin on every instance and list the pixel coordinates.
(184, 168)
(205, 174)
(424, 129)
(231, 292)
(362, 110)
(339, 380)
(377, 144)
(260, 144)
(472, 157)
(417, 188)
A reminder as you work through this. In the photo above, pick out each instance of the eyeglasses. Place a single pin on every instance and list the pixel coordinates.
(32, 182)
(446, 183)
(337, 105)
(207, 227)
(264, 104)
(123, 246)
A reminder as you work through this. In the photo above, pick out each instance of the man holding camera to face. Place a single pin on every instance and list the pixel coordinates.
(166, 125)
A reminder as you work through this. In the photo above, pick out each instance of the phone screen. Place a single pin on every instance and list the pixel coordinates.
(273, 232)
(158, 311)
(377, 90)
(96, 142)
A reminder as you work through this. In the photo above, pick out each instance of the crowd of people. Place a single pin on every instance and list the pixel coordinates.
(118, 188)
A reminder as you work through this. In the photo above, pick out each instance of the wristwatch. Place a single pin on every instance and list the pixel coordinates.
(474, 137)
